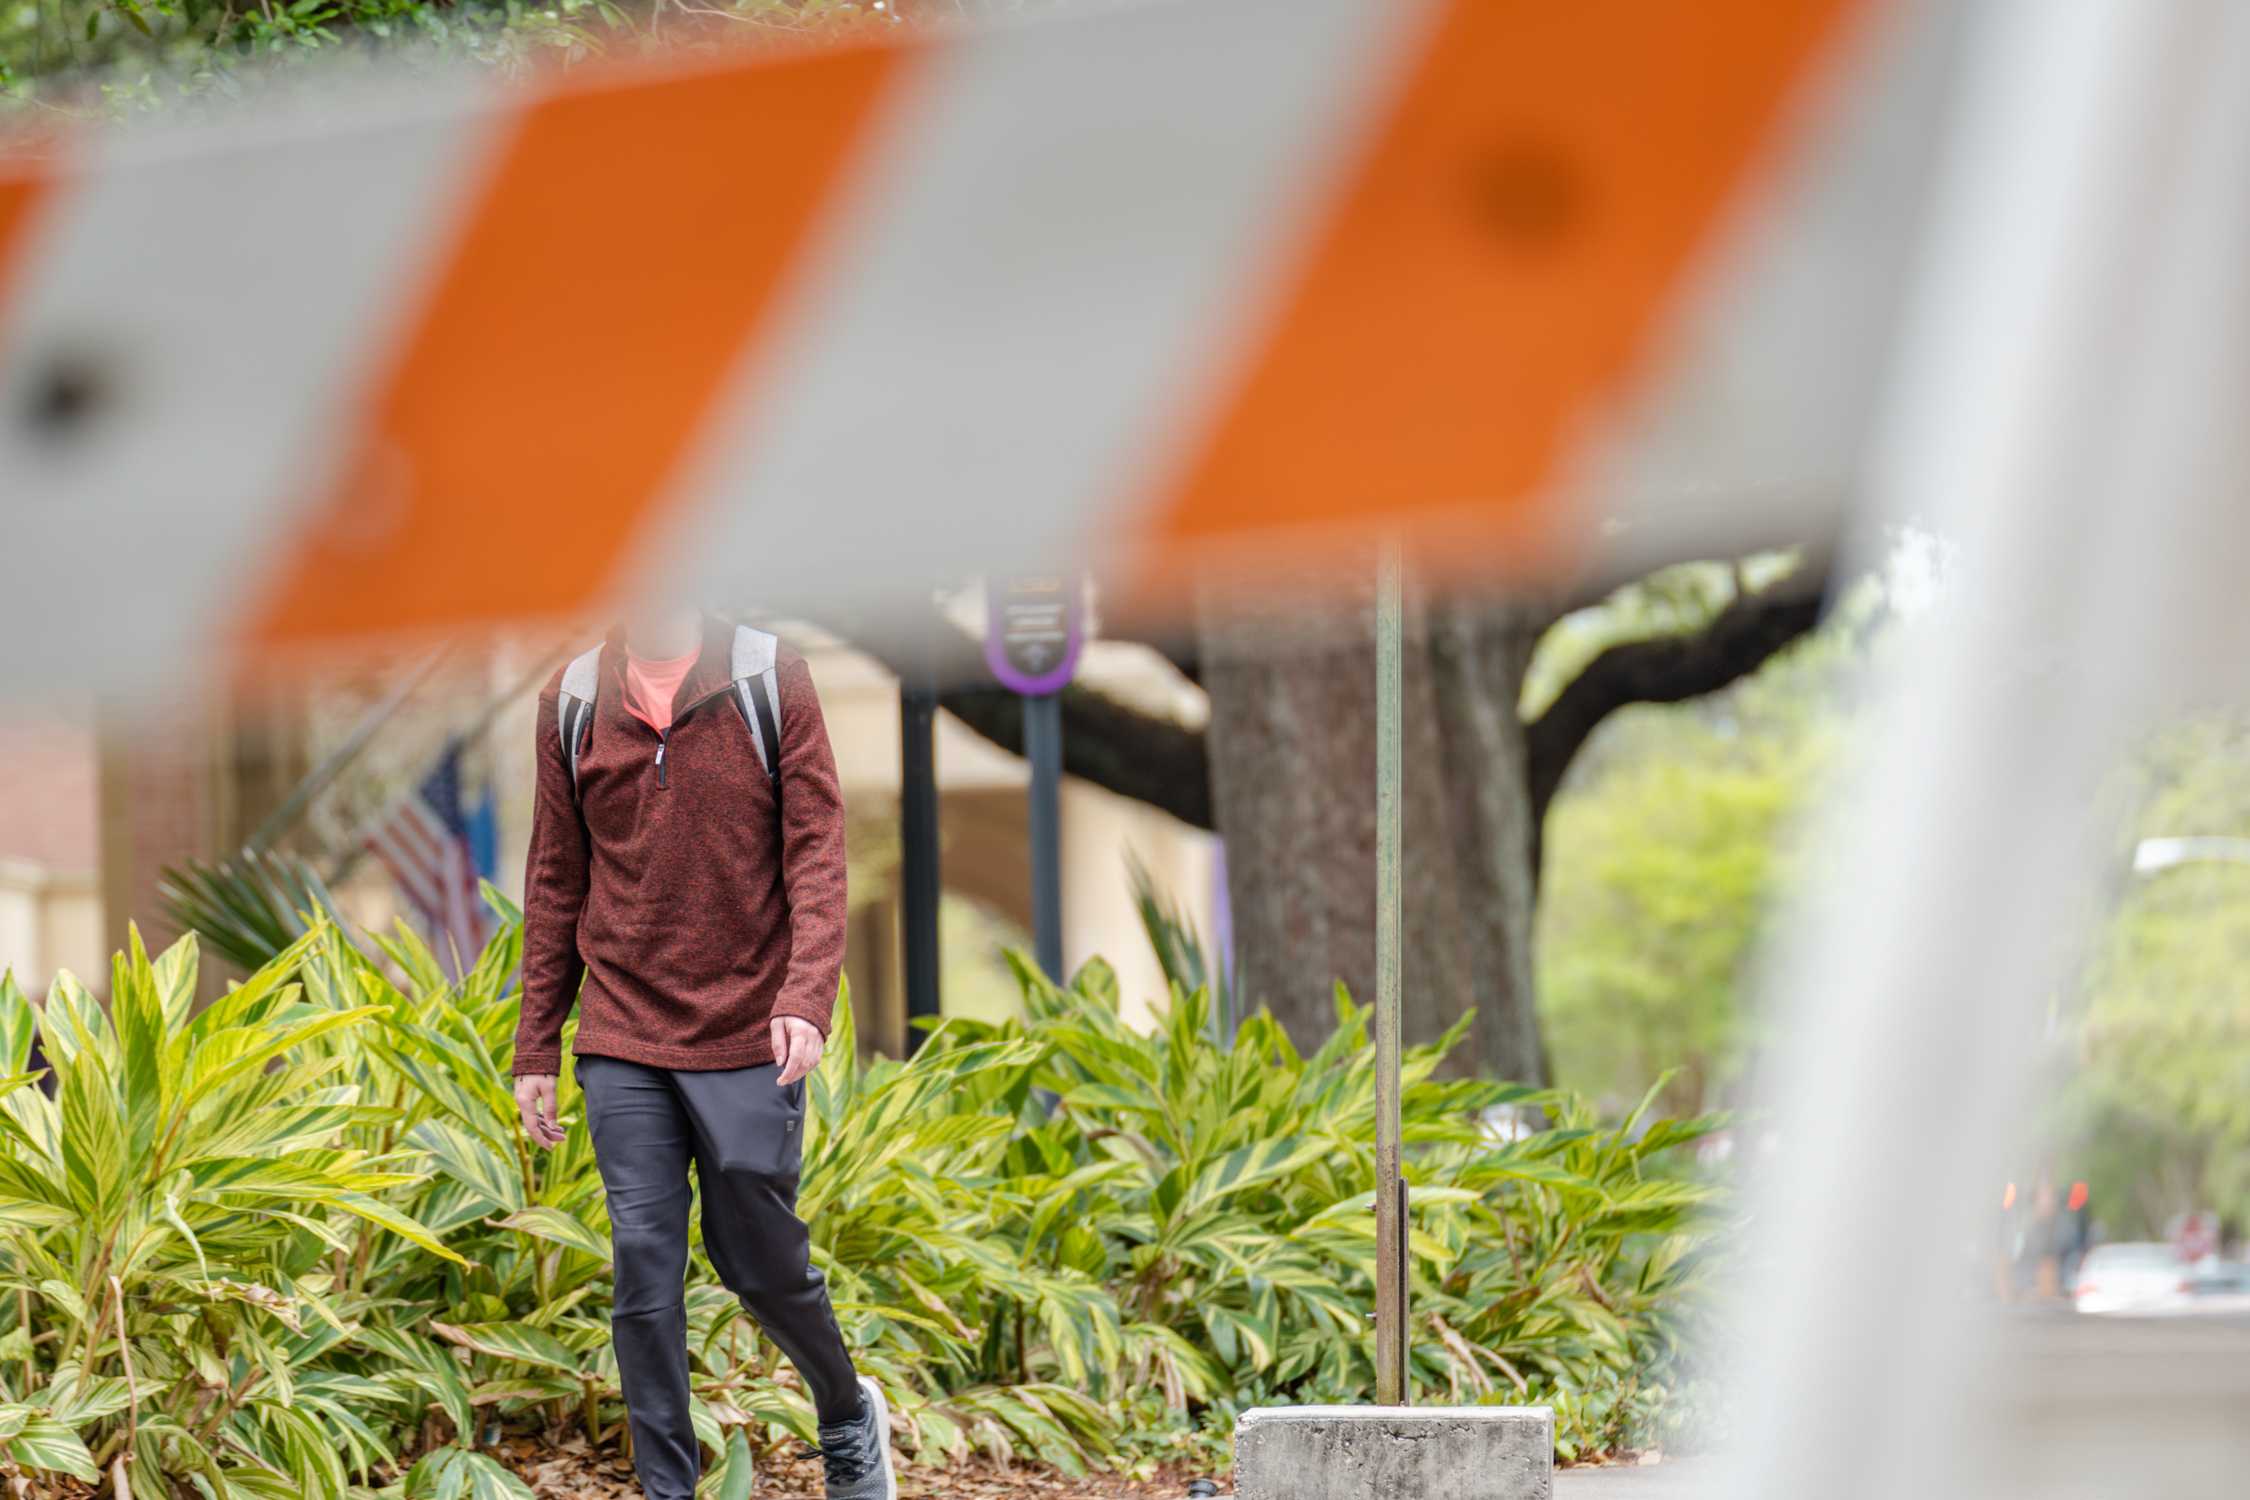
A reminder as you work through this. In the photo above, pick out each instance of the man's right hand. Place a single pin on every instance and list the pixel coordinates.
(535, 1101)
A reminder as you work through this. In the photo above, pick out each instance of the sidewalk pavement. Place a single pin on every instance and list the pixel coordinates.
(1673, 1479)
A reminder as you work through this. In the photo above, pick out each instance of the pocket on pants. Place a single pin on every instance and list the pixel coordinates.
(791, 1143)
(754, 1126)
(793, 1129)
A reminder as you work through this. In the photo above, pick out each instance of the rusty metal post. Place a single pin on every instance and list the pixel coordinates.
(1390, 1187)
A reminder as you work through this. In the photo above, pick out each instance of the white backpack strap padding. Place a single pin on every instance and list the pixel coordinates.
(757, 693)
(574, 705)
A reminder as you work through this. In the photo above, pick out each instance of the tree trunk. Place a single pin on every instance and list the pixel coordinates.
(1286, 771)
(1291, 678)
(1479, 652)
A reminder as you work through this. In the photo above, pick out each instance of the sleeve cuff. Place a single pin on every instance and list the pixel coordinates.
(817, 1016)
(535, 1062)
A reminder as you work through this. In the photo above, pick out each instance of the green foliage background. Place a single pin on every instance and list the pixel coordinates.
(294, 1243)
(2150, 1053)
(1671, 846)
(124, 56)
(1684, 829)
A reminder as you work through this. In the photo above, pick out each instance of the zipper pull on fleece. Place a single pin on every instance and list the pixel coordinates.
(660, 762)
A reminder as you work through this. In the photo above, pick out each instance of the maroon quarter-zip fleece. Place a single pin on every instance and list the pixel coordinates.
(695, 908)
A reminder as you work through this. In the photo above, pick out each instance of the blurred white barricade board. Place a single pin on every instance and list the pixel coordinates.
(1540, 286)
(2066, 413)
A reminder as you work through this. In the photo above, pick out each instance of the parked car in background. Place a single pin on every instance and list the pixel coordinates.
(2218, 1288)
(2133, 1277)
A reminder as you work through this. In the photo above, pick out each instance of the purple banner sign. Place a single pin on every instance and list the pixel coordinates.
(1034, 627)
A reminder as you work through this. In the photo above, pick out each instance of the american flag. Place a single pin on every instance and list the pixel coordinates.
(433, 849)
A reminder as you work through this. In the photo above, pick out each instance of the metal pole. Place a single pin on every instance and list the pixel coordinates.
(1390, 1186)
(1042, 747)
(918, 849)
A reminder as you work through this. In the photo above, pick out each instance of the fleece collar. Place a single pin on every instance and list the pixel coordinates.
(713, 669)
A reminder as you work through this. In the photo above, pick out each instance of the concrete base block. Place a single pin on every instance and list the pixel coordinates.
(1395, 1453)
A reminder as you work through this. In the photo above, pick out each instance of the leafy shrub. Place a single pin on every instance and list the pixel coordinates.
(183, 1218)
(1225, 1195)
(294, 1244)
(249, 905)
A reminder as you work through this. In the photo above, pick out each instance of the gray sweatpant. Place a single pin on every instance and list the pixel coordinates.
(744, 1135)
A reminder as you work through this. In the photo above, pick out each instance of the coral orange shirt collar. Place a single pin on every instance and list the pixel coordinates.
(652, 687)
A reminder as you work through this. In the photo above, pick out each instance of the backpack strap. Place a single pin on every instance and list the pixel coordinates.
(574, 705)
(757, 693)
(756, 684)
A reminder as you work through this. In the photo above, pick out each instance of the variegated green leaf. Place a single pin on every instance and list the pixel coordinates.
(44, 1443)
(518, 1342)
(19, 1025)
(471, 1163)
(736, 1475)
(458, 1474)
(75, 1400)
(375, 1211)
(553, 1225)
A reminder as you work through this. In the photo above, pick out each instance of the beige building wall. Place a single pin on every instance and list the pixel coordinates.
(50, 890)
(1101, 831)
(50, 921)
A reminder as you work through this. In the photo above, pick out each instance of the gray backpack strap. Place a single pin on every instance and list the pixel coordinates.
(574, 705)
(757, 693)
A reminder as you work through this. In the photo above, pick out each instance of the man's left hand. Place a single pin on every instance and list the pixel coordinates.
(796, 1046)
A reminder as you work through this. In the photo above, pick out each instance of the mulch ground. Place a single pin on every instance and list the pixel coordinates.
(570, 1470)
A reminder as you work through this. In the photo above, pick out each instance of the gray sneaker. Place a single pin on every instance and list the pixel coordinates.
(857, 1453)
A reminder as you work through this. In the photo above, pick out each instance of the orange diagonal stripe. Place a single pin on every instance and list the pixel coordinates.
(627, 250)
(1496, 260)
(20, 197)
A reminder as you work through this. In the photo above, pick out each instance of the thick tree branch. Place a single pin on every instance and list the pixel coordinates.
(1671, 669)
(1154, 760)
(1804, 520)
(1164, 763)
(1177, 643)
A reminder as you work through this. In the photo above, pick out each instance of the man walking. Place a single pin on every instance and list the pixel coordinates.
(687, 863)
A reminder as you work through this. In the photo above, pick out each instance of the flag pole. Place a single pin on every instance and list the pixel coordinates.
(1390, 1185)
